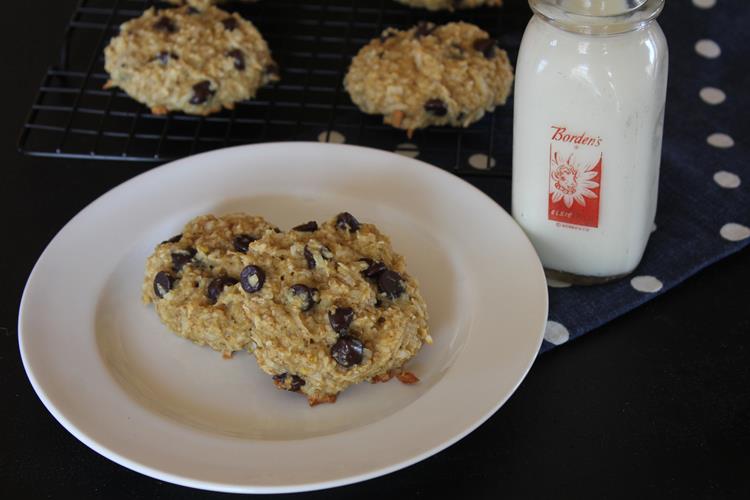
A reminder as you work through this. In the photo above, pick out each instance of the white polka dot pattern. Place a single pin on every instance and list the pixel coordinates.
(708, 49)
(332, 137)
(407, 149)
(726, 179)
(556, 333)
(646, 284)
(704, 4)
(719, 140)
(734, 232)
(557, 284)
(712, 95)
(479, 161)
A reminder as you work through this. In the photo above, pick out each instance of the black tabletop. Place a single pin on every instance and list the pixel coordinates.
(656, 402)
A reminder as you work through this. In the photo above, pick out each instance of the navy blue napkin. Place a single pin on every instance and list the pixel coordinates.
(703, 213)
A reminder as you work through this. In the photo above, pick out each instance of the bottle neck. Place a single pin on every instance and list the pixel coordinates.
(597, 17)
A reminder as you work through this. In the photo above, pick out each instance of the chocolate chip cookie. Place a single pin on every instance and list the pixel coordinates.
(337, 307)
(430, 75)
(450, 4)
(193, 280)
(321, 307)
(185, 59)
(202, 4)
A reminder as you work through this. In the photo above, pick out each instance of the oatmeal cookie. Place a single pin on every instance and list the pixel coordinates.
(450, 4)
(192, 280)
(202, 4)
(334, 306)
(430, 75)
(184, 59)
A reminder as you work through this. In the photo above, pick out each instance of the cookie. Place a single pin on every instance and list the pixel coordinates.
(320, 307)
(450, 4)
(183, 59)
(202, 4)
(430, 75)
(192, 280)
(336, 307)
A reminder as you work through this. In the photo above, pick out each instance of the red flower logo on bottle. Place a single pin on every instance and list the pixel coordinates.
(574, 187)
(571, 182)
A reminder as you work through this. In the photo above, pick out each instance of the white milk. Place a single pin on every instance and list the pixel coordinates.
(589, 110)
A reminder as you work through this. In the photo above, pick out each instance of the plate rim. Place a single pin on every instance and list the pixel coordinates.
(149, 471)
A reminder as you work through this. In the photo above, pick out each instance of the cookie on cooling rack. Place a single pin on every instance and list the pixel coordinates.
(184, 59)
(450, 4)
(192, 280)
(430, 75)
(202, 4)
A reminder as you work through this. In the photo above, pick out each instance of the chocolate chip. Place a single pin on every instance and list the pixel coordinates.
(163, 283)
(272, 69)
(192, 10)
(239, 58)
(345, 220)
(174, 239)
(242, 242)
(309, 258)
(252, 279)
(391, 284)
(308, 296)
(201, 92)
(307, 227)
(217, 286)
(347, 351)
(290, 383)
(165, 56)
(276, 230)
(424, 28)
(166, 25)
(182, 257)
(373, 268)
(486, 46)
(436, 107)
(296, 383)
(229, 23)
(340, 319)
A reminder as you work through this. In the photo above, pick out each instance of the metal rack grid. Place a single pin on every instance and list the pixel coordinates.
(313, 42)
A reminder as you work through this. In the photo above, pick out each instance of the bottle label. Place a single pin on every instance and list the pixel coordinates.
(575, 173)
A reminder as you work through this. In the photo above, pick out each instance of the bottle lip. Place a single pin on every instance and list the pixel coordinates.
(578, 17)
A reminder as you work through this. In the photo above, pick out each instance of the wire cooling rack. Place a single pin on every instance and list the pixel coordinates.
(313, 42)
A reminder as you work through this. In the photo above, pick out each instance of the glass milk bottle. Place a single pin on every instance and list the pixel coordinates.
(590, 87)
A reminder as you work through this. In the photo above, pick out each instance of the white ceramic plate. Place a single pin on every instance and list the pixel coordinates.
(108, 370)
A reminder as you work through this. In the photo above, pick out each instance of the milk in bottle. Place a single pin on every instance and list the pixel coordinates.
(589, 108)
